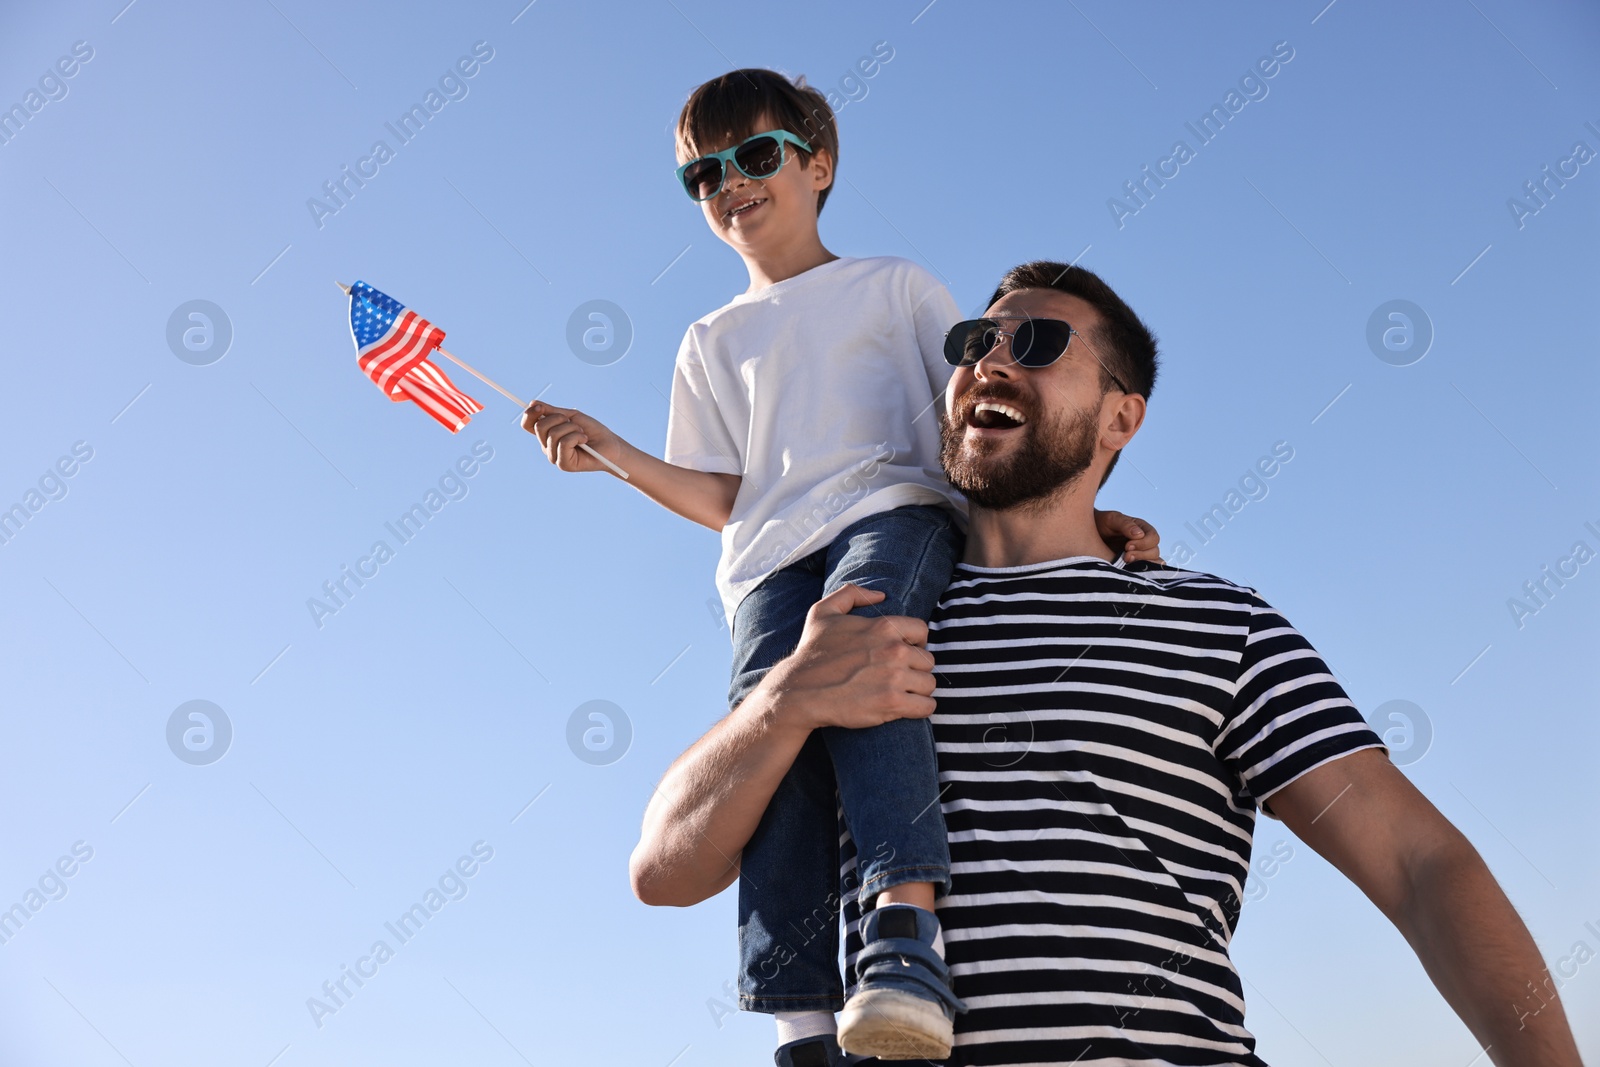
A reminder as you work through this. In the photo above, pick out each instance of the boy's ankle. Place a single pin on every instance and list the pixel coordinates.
(917, 894)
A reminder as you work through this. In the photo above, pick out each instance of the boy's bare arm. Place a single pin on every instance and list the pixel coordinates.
(699, 496)
(848, 670)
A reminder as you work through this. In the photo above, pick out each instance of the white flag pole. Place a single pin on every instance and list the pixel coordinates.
(482, 378)
(491, 383)
(486, 380)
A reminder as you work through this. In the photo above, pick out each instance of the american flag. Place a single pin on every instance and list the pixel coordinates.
(392, 346)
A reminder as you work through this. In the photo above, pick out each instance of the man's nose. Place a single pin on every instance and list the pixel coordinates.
(998, 362)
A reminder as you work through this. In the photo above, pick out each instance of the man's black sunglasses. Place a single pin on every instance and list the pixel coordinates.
(1035, 343)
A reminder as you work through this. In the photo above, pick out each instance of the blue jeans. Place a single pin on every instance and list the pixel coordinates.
(884, 777)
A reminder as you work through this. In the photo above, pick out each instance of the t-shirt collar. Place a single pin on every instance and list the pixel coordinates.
(805, 277)
(1044, 565)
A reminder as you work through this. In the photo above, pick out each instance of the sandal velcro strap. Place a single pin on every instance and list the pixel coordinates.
(907, 959)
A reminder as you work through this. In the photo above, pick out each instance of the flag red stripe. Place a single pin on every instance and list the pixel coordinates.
(409, 341)
(398, 358)
(413, 390)
(401, 335)
(416, 385)
(408, 328)
(443, 384)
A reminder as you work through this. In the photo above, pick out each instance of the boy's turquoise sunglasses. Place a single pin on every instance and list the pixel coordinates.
(759, 156)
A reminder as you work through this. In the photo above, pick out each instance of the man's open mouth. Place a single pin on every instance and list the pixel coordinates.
(993, 415)
(744, 208)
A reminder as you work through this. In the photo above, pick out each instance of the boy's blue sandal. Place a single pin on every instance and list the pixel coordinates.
(903, 1007)
(821, 1051)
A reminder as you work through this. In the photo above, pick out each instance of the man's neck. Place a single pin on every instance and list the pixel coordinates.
(1057, 528)
(769, 266)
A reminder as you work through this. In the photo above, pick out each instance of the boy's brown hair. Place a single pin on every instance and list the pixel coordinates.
(727, 108)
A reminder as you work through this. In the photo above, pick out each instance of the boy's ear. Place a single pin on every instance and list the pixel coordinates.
(821, 169)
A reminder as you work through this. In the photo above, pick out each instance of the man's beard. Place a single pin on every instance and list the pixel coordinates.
(1053, 454)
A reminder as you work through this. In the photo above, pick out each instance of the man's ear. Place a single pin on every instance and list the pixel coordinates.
(1123, 418)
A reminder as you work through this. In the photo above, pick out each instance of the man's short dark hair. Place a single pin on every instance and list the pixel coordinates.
(1123, 341)
(727, 109)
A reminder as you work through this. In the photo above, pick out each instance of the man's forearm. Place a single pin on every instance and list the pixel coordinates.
(848, 671)
(1484, 962)
(710, 801)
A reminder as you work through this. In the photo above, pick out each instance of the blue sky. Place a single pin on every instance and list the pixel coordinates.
(430, 714)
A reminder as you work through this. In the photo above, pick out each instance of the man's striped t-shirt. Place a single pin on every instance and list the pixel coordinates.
(1104, 735)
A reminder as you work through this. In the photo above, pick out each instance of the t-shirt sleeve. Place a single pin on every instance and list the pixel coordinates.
(697, 434)
(1289, 715)
(934, 311)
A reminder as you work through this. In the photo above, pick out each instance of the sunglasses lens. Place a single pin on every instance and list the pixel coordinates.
(760, 158)
(982, 341)
(967, 342)
(1034, 343)
(703, 178)
(1040, 342)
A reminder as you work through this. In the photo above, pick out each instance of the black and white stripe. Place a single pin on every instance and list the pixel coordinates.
(1104, 735)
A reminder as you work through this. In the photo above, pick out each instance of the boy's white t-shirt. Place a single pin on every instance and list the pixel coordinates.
(823, 393)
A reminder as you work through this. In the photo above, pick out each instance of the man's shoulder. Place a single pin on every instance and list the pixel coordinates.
(1197, 584)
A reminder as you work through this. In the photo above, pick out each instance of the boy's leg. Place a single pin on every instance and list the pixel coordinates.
(902, 1006)
(789, 870)
(887, 775)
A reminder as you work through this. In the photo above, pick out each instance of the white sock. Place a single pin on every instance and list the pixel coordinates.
(797, 1025)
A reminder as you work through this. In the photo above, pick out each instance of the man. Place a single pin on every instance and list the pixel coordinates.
(1105, 733)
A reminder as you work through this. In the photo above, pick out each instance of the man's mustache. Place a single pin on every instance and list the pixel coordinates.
(1000, 394)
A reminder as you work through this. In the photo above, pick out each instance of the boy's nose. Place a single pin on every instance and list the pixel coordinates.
(734, 182)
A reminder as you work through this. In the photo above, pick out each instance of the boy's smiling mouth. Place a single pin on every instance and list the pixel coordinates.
(743, 207)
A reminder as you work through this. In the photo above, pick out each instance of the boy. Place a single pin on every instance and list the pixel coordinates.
(801, 428)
